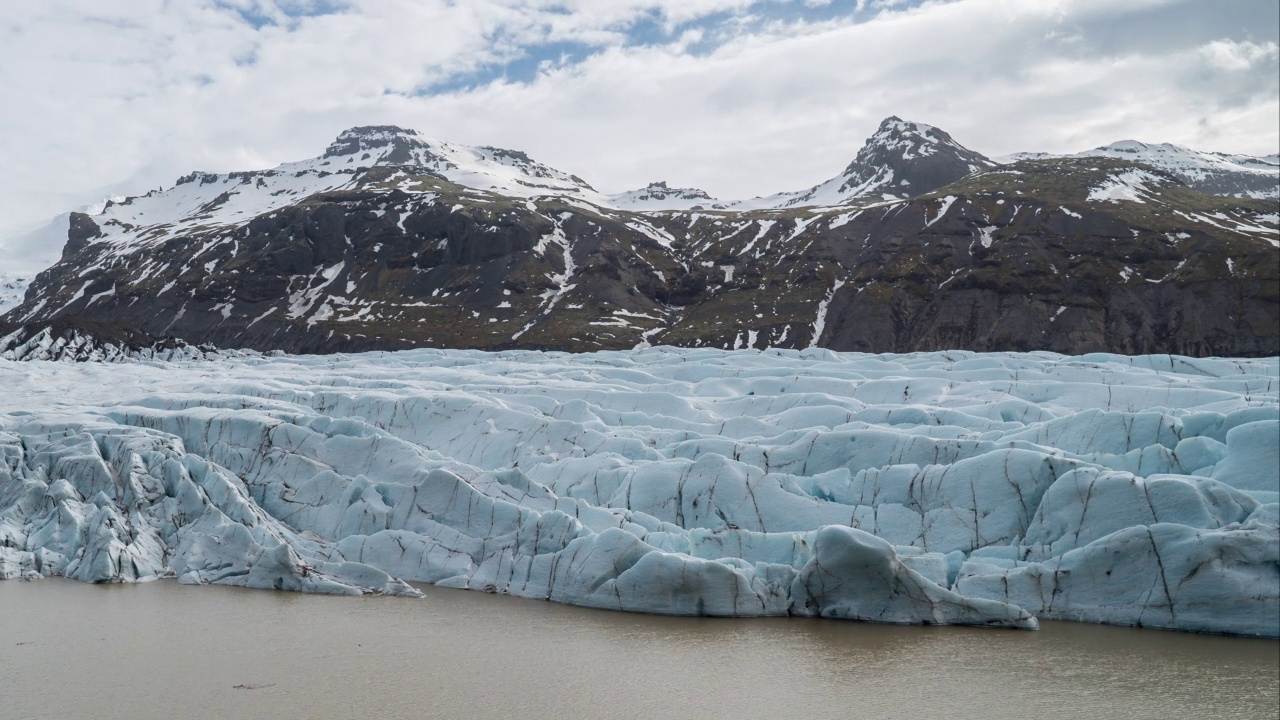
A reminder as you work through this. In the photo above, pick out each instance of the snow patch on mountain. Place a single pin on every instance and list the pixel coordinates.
(1133, 185)
(1185, 162)
(508, 172)
(1211, 172)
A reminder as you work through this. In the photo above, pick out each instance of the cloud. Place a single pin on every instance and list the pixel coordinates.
(740, 97)
(1238, 56)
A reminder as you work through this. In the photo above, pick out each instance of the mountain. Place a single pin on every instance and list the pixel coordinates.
(900, 160)
(1208, 172)
(392, 240)
(509, 172)
(657, 196)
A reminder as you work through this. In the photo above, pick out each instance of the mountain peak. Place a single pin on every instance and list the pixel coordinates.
(365, 138)
(895, 132)
(901, 159)
(659, 194)
(905, 158)
(895, 124)
(375, 131)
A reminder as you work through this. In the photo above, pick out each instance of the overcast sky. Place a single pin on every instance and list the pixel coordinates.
(738, 97)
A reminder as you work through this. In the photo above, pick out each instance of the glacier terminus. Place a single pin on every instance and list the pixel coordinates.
(990, 489)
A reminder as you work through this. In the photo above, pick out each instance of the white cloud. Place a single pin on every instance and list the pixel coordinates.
(1236, 56)
(127, 99)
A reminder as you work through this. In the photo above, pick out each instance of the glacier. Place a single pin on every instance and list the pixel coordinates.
(987, 489)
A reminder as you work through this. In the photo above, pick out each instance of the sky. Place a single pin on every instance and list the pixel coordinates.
(737, 97)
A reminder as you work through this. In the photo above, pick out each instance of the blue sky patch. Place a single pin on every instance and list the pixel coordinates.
(267, 12)
(651, 28)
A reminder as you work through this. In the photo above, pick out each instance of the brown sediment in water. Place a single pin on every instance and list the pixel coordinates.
(163, 650)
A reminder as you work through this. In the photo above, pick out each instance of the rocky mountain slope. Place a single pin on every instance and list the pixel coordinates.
(392, 240)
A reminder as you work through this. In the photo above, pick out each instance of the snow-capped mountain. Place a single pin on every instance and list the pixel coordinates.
(385, 158)
(902, 159)
(378, 158)
(1208, 172)
(657, 196)
(392, 240)
(508, 172)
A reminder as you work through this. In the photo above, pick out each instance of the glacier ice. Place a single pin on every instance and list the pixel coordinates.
(956, 487)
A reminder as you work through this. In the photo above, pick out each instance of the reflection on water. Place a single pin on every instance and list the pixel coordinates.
(162, 650)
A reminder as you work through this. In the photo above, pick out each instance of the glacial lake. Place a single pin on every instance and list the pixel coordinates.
(163, 650)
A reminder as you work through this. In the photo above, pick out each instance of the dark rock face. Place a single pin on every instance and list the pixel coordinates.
(1237, 184)
(402, 142)
(1036, 290)
(1072, 256)
(82, 230)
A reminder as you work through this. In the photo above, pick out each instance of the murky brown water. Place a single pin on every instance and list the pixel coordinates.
(162, 650)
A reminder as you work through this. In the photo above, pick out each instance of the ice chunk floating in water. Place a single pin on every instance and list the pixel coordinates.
(982, 489)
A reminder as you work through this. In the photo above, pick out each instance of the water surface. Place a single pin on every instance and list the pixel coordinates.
(163, 650)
